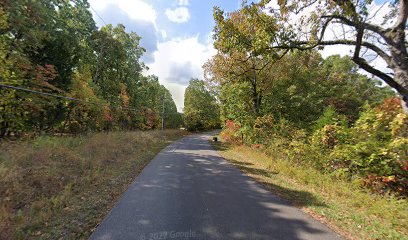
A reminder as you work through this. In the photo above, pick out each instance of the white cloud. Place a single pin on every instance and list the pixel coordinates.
(183, 2)
(177, 61)
(163, 33)
(177, 92)
(136, 9)
(376, 14)
(178, 15)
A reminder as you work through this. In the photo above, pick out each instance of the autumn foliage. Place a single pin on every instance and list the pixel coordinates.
(54, 47)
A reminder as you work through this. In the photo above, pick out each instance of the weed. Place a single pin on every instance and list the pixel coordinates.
(345, 206)
(61, 187)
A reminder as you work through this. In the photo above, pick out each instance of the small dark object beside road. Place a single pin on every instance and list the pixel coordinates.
(215, 139)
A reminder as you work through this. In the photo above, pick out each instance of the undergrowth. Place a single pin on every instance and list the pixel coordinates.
(345, 206)
(62, 187)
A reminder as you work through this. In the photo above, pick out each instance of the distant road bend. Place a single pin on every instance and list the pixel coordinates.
(189, 192)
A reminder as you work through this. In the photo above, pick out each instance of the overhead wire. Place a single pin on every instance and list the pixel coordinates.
(71, 98)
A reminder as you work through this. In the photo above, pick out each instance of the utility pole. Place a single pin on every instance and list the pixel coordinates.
(163, 113)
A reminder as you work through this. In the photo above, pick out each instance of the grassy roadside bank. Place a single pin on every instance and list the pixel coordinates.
(344, 206)
(62, 187)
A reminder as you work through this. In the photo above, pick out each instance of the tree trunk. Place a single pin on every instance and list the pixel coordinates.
(395, 37)
(400, 68)
(401, 76)
(256, 99)
(404, 104)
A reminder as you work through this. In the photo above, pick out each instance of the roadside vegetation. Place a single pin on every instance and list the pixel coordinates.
(345, 206)
(309, 110)
(62, 187)
(201, 110)
(316, 130)
(55, 47)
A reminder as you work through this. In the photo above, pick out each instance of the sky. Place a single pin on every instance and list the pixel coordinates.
(176, 35)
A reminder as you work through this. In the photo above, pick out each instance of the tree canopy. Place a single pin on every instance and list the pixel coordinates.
(306, 25)
(277, 93)
(201, 110)
(54, 47)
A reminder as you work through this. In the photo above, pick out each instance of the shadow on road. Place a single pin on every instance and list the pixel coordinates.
(298, 198)
(190, 189)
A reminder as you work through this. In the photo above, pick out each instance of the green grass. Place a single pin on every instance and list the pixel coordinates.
(62, 187)
(344, 206)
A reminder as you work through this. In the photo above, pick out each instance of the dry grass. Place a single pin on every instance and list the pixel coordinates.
(344, 206)
(61, 187)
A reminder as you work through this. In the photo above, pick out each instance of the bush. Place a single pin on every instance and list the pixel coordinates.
(231, 132)
(375, 149)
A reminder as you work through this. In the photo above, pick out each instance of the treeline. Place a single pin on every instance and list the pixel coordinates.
(55, 47)
(201, 110)
(311, 111)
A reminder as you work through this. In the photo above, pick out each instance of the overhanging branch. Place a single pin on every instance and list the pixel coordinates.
(305, 45)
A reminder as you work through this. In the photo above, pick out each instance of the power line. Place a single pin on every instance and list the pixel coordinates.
(102, 46)
(97, 14)
(70, 98)
(64, 97)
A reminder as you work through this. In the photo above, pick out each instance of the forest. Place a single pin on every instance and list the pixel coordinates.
(74, 99)
(328, 133)
(278, 94)
(54, 47)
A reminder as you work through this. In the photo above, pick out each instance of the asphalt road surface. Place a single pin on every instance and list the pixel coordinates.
(189, 192)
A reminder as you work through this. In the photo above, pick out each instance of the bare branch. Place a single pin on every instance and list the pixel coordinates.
(366, 25)
(359, 40)
(298, 10)
(376, 12)
(361, 62)
(303, 45)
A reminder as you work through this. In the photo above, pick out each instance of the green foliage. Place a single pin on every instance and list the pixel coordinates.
(55, 47)
(60, 187)
(83, 117)
(377, 148)
(201, 110)
(329, 117)
(298, 106)
(311, 111)
(373, 149)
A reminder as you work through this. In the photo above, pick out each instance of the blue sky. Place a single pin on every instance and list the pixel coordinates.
(177, 35)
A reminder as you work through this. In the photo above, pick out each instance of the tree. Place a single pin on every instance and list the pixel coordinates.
(117, 61)
(54, 47)
(241, 58)
(172, 118)
(386, 40)
(22, 35)
(347, 90)
(237, 68)
(201, 111)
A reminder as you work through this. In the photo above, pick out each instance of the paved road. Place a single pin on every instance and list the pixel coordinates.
(189, 192)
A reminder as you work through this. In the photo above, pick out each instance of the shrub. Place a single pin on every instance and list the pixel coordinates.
(231, 132)
(262, 129)
(376, 148)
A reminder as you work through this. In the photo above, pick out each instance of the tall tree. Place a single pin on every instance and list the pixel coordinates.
(53, 46)
(117, 61)
(305, 25)
(224, 69)
(201, 110)
(241, 58)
